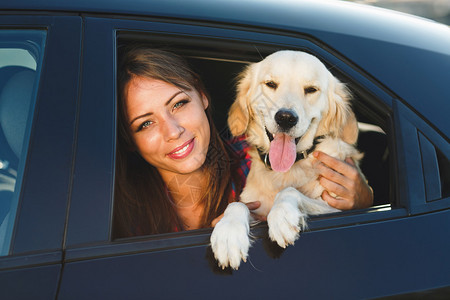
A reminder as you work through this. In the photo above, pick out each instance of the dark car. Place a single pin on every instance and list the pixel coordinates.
(57, 151)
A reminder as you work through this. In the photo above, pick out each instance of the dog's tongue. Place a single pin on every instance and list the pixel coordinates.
(282, 152)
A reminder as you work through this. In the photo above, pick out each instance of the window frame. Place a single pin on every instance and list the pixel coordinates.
(411, 135)
(40, 221)
(34, 263)
(90, 222)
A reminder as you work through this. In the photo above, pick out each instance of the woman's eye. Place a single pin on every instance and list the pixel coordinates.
(144, 125)
(180, 104)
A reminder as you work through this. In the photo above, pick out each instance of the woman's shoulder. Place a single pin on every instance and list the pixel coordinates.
(240, 147)
(238, 144)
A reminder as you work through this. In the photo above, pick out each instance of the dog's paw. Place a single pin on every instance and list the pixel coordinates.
(285, 220)
(230, 238)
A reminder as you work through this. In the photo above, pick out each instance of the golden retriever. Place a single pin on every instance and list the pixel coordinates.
(287, 106)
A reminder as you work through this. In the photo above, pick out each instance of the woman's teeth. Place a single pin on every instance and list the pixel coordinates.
(182, 149)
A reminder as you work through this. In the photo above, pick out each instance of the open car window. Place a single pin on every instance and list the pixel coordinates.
(219, 63)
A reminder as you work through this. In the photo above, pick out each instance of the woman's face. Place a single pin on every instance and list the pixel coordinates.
(168, 125)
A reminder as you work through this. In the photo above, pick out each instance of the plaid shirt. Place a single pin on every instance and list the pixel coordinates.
(241, 147)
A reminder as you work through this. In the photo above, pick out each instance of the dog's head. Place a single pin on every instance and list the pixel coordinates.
(285, 101)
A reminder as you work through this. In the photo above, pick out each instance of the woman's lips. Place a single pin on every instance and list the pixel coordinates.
(182, 151)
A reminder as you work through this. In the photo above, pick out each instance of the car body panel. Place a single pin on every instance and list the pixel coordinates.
(90, 220)
(331, 258)
(31, 283)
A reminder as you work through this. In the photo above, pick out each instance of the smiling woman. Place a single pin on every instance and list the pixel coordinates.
(167, 174)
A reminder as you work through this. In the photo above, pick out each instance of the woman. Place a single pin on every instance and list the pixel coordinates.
(173, 170)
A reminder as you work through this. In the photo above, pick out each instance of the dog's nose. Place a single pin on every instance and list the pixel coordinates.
(286, 119)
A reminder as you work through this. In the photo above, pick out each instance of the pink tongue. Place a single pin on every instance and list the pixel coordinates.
(282, 152)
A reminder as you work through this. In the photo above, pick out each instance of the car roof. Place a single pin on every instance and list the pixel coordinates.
(323, 15)
(416, 48)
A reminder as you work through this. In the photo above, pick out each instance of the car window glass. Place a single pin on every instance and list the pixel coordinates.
(21, 54)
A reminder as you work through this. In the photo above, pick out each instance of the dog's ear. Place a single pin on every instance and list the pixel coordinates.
(349, 133)
(340, 120)
(239, 115)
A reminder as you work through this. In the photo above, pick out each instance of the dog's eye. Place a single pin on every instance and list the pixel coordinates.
(310, 90)
(271, 84)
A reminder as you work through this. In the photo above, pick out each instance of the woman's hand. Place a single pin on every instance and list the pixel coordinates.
(343, 179)
(251, 206)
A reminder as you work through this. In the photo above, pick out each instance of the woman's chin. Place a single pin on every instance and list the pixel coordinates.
(191, 165)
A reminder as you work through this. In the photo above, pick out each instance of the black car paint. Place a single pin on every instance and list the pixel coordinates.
(62, 246)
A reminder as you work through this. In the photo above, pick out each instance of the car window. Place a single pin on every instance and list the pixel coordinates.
(373, 140)
(21, 54)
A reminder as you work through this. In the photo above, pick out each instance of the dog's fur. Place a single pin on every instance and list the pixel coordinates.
(299, 83)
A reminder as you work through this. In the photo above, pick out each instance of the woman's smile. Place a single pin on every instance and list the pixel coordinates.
(183, 150)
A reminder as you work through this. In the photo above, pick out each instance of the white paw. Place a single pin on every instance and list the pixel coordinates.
(230, 241)
(285, 220)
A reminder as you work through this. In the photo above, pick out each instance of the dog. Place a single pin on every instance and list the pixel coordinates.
(288, 105)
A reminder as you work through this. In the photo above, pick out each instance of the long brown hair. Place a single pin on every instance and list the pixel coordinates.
(141, 202)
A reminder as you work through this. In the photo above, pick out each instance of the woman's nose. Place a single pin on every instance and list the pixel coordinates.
(172, 129)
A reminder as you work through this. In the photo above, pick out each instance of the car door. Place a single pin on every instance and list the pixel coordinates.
(358, 254)
(39, 63)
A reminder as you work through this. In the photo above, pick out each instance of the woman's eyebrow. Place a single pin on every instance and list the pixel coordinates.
(141, 116)
(171, 98)
(150, 113)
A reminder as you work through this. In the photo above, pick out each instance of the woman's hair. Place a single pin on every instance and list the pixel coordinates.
(141, 202)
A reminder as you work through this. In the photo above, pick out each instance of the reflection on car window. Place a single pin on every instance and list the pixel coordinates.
(21, 54)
